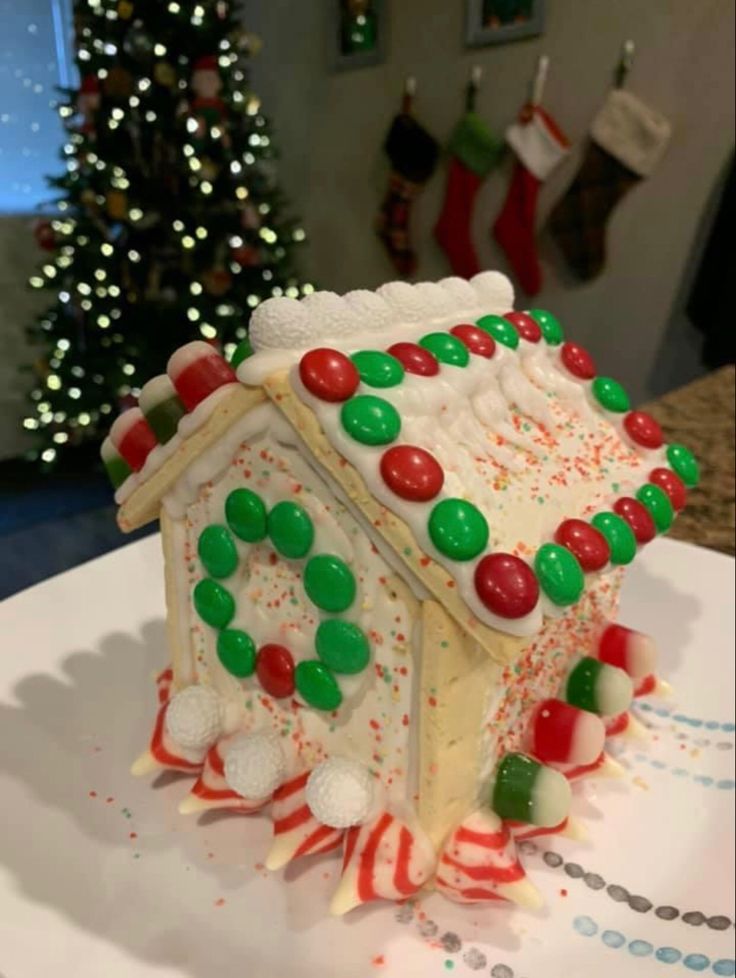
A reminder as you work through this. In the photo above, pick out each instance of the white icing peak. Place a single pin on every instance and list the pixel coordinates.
(194, 718)
(288, 324)
(255, 765)
(340, 792)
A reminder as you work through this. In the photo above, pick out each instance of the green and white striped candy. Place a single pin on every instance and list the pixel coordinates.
(595, 686)
(526, 791)
(116, 467)
(161, 407)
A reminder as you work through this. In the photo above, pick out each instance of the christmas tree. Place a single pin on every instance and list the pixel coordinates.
(170, 225)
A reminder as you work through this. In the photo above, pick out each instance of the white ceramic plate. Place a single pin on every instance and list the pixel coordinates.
(100, 878)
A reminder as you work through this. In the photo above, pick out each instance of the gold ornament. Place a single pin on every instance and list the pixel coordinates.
(164, 74)
(125, 9)
(116, 203)
(119, 83)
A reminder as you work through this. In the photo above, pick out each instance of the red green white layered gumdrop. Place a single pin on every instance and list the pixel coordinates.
(627, 649)
(161, 407)
(255, 765)
(597, 687)
(524, 790)
(116, 467)
(564, 734)
(196, 371)
(194, 717)
(341, 793)
(132, 437)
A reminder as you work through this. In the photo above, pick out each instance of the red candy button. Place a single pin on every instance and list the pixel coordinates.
(275, 669)
(506, 585)
(585, 543)
(578, 361)
(328, 374)
(638, 517)
(672, 484)
(412, 473)
(415, 359)
(476, 340)
(643, 429)
(526, 327)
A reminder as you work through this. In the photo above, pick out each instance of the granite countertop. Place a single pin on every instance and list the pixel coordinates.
(701, 416)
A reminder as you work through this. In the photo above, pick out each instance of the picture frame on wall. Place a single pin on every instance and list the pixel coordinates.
(501, 21)
(359, 33)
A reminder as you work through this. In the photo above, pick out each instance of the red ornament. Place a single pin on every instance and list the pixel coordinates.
(45, 235)
(672, 484)
(584, 542)
(329, 374)
(638, 517)
(643, 429)
(412, 473)
(246, 256)
(476, 340)
(578, 361)
(275, 670)
(506, 585)
(415, 359)
(526, 327)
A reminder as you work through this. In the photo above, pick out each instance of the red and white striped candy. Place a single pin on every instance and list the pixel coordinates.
(626, 725)
(133, 438)
(296, 832)
(563, 734)
(196, 370)
(569, 829)
(630, 650)
(383, 860)
(211, 790)
(602, 767)
(164, 681)
(652, 685)
(479, 863)
(164, 752)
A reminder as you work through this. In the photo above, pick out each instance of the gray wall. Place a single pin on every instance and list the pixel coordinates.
(330, 127)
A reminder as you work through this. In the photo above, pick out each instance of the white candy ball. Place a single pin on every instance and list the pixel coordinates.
(462, 293)
(494, 290)
(280, 324)
(403, 298)
(437, 301)
(255, 765)
(340, 792)
(330, 316)
(374, 312)
(194, 718)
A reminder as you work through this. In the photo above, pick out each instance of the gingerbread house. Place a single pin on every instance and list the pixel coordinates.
(395, 527)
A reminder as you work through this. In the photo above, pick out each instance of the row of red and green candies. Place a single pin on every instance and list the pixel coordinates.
(505, 584)
(193, 373)
(342, 647)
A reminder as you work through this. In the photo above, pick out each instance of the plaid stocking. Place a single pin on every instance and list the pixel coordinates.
(627, 141)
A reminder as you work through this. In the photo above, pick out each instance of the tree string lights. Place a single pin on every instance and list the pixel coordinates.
(169, 224)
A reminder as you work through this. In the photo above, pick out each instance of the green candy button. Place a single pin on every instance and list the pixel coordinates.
(549, 324)
(378, 369)
(370, 420)
(329, 583)
(290, 529)
(560, 575)
(500, 329)
(458, 529)
(447, 348)
(684, 463)
(658, 503)
(236, 650)
(317, 685)
(241, 352)
(619, 536)
(342, 646)
(611, 395)
(245, 513)
(216, 549)
(214, 603)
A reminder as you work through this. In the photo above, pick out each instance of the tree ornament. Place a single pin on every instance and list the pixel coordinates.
(119, 83)
(217, 281)
(45, 235)
(246, 256)
(164, 74)
(116, 204)
(125, 9)
(138, 42)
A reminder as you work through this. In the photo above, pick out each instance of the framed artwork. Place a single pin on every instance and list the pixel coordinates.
(499, 21)
(359, 36)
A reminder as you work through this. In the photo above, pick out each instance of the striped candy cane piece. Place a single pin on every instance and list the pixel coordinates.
(383, 860)
(603, 767)
(164, 753)
(479, 864)
(652, 685)
(296, 832)
(211, 790)
(164, 681)
(571, 828)
(626, 725)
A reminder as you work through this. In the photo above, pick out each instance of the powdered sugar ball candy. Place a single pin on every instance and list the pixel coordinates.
(196, 370)
(437, 302)
(194, 717)
(406, 302)
(374, 312)
(280, 324)
(330, 316)
(494, 290)
(255, 765)
(462, 293)
(340, 792)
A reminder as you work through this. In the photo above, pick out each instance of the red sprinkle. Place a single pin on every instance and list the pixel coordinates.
(476, 340)
(275, 670)
(585, 542)
(578, 361)
(412, 473)
(329, 374)
(526, 327)
(415, 359)
(643, 429)
(672, 484)
(638, 517)
(506, 585)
